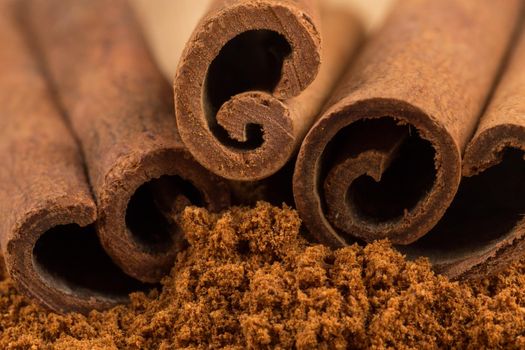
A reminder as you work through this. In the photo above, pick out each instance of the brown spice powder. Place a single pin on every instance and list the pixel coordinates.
(247, 279)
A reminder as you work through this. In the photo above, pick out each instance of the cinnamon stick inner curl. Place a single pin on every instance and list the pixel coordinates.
(380, 167)
(243, 61)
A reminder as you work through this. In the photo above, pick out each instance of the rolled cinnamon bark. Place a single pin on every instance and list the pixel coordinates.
(384, 161)
(121, 108)
(483, 229)
(253, 78)
(47, 212)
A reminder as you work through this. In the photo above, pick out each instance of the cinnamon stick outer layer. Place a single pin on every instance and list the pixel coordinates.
(484, 229)
(121, 108)
(252, 79)
(424, 79)
(45, 200)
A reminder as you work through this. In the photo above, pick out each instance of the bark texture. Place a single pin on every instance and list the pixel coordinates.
(47, 211)
(121, 108)
(483, 230)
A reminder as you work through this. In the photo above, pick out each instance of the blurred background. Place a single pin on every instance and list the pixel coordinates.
(169, 23)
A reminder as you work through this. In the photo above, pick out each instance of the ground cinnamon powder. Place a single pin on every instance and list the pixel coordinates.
(248, 279)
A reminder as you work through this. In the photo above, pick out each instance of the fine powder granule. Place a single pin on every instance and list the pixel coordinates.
(248, 280)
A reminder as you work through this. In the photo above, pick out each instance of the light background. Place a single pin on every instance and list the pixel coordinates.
(169, 23)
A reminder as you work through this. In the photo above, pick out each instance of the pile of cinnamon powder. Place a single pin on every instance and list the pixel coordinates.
(247, 279)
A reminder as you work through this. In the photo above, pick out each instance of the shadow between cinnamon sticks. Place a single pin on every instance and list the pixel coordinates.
(384, 160)
(47, 212)
(121, 108)
(253, 78)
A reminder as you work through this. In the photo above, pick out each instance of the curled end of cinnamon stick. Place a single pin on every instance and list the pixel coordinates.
(55, 256)
(483, 230)
(489, 147)
(374, 169)
(241, 62)
(140, 206)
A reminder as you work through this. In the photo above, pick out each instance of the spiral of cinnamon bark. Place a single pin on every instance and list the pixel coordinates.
(139, 206)
(249, 83)
(386, 177)
(384, 161)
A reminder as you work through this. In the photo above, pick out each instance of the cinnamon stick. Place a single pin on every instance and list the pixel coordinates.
(384, 160)
(253, 78)
(483, 230)
(47, 212)
(121, 108)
